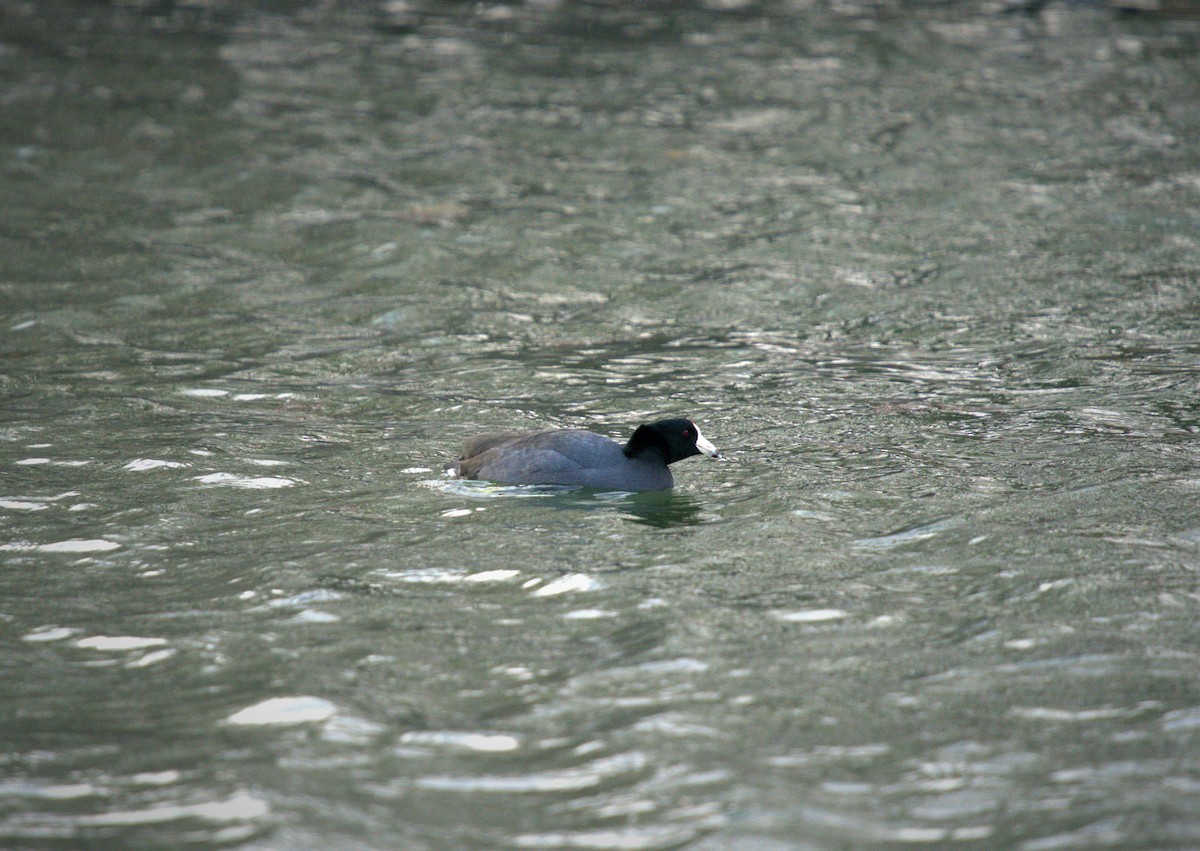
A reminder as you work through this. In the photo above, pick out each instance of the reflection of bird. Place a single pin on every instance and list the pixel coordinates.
(1031, 7)
(584, 458)
(1162, 8)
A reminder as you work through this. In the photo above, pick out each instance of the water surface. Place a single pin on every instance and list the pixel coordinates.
(927, 274)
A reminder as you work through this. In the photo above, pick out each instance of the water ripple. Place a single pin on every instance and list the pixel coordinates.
(576, 779)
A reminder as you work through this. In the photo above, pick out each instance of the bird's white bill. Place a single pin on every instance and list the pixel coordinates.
(704, 446)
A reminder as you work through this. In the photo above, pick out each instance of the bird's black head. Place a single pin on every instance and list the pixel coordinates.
(673, 440)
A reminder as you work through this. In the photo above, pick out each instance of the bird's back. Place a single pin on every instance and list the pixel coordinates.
(557, 457)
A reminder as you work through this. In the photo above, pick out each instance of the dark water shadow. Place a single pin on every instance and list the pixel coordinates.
(657, 509)
(663, 509)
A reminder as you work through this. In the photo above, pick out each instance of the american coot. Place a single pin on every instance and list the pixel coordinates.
(584, 458)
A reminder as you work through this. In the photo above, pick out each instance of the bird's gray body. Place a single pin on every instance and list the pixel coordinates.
(559, 457)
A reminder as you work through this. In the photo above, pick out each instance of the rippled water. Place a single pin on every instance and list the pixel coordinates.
(928, 275)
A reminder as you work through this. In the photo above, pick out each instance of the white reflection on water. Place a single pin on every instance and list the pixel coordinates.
(561, 780)
(312, 616)
(463, 739)
(304, 602)
(49, 633)
(75, 545)
(251, 482)
(240, 807)
(589, 614)
(459, 512)
(119, 642)
(282, 711)
(810, 615)
(152, 658)
(572, 582)
(500, 575)
(22, 505)
(50, 791)
(436, 575)
(1044, 713)
(241, 814)
(139, 465)
(1182, 719)
(156, 778)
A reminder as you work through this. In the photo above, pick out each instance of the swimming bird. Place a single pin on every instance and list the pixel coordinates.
(584, 458)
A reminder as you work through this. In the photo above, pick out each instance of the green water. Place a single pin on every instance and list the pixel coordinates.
(927, 274)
